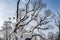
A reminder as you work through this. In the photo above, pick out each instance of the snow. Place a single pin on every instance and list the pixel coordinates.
(52, 28)
(30, 26)
(44, 33)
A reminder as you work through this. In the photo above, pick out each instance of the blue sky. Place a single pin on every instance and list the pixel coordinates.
(8, 8)
(53, 4)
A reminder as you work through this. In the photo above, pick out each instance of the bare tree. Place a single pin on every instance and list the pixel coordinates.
(23, 16)
(7, 29)
(57, 20)
(36, 8)
(50, 36)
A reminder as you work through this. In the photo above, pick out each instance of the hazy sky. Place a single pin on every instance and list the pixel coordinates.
(8, 8)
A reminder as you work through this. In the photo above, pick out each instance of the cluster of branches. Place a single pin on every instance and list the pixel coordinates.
(37, 7)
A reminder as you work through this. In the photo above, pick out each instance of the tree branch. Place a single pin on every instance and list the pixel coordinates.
(17, 9)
